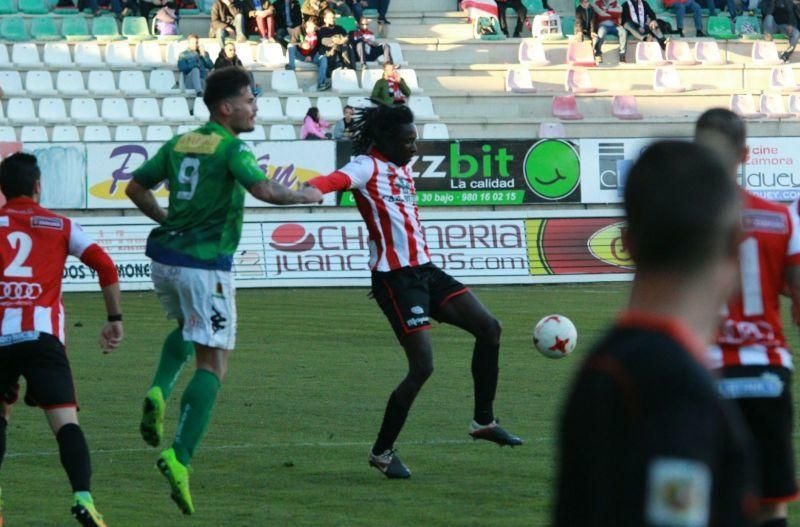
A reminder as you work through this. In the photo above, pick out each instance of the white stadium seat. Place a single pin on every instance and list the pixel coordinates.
(128, 133)
(174, 49)
(257, 134)
(245, 53)
(175, 109)
(65, 133)
(148, 53)
(87, 54)
(96, 133)
(345, 81)
(359, 102)
(118, 54)
(53, 110)
(7, 134)
(39, 82)
(33, 134)
(270, 54)
(369, 77)
(131, 82)
(435, 131)
(115, 110)
(410, 76)
(70, 82)
(397, 54)
(285, 81)
(422, 108)
(282, 132)
(11, 81)
(25, 54)
(200, 110)
(4, 60)
(186, 128)
(20, 110)
(101, 83)
(296, 107)
(330, 108)
(84, 110)
(56, 55)
(145, 109)
(163, 82)
(158, 132)
(269, 109)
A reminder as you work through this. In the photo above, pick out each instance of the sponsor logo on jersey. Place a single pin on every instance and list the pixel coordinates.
(417, 310)
(767, 386)
(764, 221)
(196, 143)
(20, 291)
(4, 221)
(678, 493)
(417, 321)
(45, 222)
(292, 237)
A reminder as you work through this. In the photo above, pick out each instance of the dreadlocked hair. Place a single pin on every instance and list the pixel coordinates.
(371, 125)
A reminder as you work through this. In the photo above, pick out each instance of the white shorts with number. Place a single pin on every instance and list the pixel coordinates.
(204, 299)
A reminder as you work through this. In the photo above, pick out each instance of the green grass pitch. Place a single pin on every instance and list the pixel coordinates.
(299, 410)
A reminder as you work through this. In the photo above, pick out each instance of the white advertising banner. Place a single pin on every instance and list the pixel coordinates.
(603, 161)
(772, 169)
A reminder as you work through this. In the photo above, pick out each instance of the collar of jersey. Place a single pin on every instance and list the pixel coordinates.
(218, 128)
(377, 155)
(21, 201)
(672, 327)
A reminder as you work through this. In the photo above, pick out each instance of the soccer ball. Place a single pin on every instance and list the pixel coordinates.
(555, 336)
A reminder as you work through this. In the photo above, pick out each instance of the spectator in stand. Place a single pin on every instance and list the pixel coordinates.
(261, 18)
(680, 7)
(115, 6)
(779, 16)
(585, 23)
(367, 50)
(340, 7)
(227, 20)
(391, 89)
(641, 23)
(289, 21)
(313, 126)
(147, 6)
(313, 8)
(167, 20)
(608, 20)
(731, 7)
(309, 51)
(382, 6)
(195, 64)
(357, 7)
(344, 128)
(335, 44)
(228, 58)
(522, 14)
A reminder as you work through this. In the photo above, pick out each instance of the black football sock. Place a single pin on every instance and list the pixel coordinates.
(775, 522)
(3, 426)
(393, 420)
(75, 456)
(484, 374)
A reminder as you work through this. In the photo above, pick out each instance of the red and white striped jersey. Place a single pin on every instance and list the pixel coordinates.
(751, 332)
(34, 245)
(387, 200)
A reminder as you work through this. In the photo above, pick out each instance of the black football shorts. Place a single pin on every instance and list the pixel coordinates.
(763, 394)
(41, 360)
(410, 296)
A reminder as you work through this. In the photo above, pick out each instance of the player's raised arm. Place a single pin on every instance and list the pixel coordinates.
(272, 192)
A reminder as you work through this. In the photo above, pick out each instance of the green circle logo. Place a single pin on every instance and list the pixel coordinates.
(552, 169)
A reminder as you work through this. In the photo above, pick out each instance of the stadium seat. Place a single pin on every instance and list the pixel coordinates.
(518, 80)
(578, 81)
(666, 79)
(270, 54)
(39, 82)
(65, 133)
(174, 50)
(33, 134)
(296, 108)
(175, 109)
(33, 7)
(649, 54)
(25, 55)
(369, 77)
(771, 105)
(396, 51)
(765, 53)
(11, 82)
(83, 110)
(679, 52)
(200, 110)
(330, 108)
(748, 27)
(4, 60)
(625, 107)
(348, 23)
(282, 132)
(163, 82)
(186, 128)
(345, 81)
(707, 52)
(115, 110)
(135, 28)
(7, 7)
(7, 134)
(145, 109)
(435, 131)
(44, 28)
(422, 107)
(74, 28)
(118, 55)
(719, 27)
(479, 33)
(70, 82)
(781, 78)
(580, 54)
(269, 109)
(96, 133)
(104, 28)
(13, 28)
(148, 53)
(360, 102)
(565, 107)
(794, 104)
(87, 54)
(128, 133)
(158, 132)
(56, 55)
(52, 110)
(410, 76)
(285, 82)
(531, 52)
(213, 49)
(20, 111)
(131, 82)
(257, 134)
(244, 50)
(743, 105)
(101, 83)
(551, 130)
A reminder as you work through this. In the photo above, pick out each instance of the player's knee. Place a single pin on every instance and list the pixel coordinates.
(490, 330)
(421, 373)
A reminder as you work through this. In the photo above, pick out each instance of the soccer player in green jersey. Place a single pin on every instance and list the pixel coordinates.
(208, 171)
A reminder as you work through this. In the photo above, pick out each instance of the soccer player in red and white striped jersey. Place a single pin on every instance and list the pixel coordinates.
(34, 245)
(750, 353)
(407, 286)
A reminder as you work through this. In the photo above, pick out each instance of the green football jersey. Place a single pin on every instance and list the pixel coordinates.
(207, 171)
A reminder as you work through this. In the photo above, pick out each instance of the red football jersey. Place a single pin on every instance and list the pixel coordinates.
(34, 245)
(751, 332)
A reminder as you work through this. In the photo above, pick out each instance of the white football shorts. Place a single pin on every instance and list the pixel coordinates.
(204, 299)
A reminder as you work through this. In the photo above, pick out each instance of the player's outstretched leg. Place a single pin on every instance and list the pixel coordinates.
(466, 311)
(178, 476)
(420, 367)
(175, 353)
